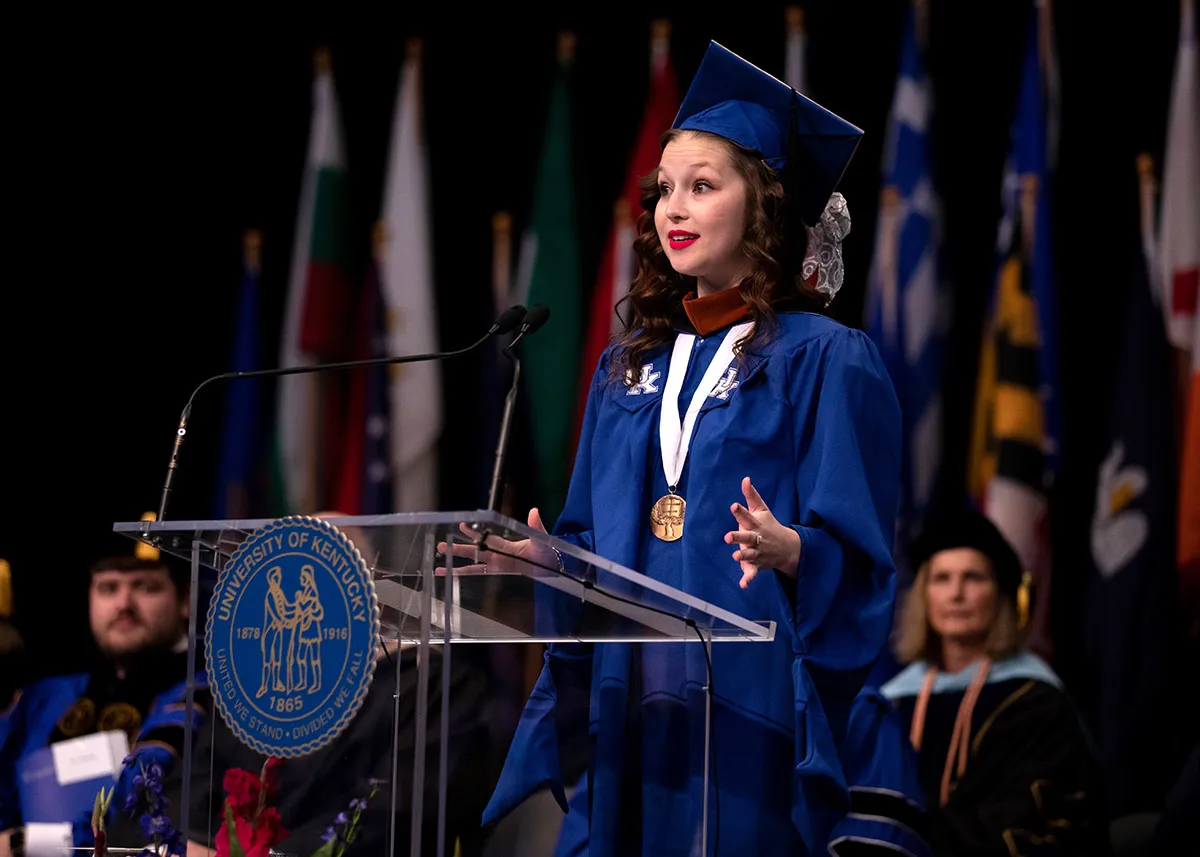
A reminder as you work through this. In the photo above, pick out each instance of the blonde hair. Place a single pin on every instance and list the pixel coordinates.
(915, 639)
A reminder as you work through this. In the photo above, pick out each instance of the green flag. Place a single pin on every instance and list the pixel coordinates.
(550, 256)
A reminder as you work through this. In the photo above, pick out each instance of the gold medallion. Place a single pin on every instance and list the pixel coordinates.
(666, 517)
(79, 718)
(119, 716)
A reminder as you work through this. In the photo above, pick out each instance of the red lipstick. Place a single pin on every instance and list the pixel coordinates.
(679, 239)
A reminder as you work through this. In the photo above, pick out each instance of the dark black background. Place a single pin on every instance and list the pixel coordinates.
(144, 148)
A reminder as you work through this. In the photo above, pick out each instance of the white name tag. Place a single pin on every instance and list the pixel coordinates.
(48, 840)
(89, 756)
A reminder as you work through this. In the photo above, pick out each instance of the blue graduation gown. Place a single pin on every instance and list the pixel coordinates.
(814, 422)
(888, 815)
(28, 726)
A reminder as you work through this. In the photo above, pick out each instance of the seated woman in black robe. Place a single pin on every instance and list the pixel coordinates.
(1004, 759)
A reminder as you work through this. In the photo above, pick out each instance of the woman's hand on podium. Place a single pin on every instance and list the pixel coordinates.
(494, 555)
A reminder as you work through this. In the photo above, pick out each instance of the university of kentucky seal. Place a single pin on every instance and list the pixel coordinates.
(291, 636)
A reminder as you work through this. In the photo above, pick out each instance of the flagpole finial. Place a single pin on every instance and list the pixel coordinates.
(378, 238)
(660, 30)
(502, 223)
(323, 60)
(414, 48)
(794, 16)
(252, 249)
(1145, 165)
(566, 47)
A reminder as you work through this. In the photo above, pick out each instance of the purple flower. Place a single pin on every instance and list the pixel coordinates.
(328, 834)
(358, 804)
(341, 818)
(156, 826)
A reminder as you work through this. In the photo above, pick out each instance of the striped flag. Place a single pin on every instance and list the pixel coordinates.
(906, 301)
(314, 320)
(618, 266)
(406, 269)
(1014, 449)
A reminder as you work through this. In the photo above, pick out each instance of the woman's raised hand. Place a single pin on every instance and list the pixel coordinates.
(495, 555)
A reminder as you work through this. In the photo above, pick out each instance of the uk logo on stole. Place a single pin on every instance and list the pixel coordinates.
(291, 636)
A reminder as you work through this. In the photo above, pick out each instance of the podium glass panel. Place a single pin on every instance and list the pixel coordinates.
(332, 656)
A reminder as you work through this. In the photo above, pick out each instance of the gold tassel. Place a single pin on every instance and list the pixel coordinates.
(6, 593)
(143, 550)
(1023, 594)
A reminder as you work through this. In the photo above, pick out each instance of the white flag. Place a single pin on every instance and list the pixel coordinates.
(406, 271)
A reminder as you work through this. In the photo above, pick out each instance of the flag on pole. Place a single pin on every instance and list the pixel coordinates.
(1179, 255)
(795, 55)
(407, 273)
(906, 304)
(314, 317)
(1129, 635)
(1014, 448)
(1179, 230)
(365, 486)
(618, 265)
(240, 446)
(550, 255)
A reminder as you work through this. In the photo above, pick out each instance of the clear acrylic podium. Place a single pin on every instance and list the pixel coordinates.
(400, 739)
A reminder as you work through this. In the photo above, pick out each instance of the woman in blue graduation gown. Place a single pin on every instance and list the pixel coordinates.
(744, 448)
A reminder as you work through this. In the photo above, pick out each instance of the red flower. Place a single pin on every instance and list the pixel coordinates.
(256, 840)
(244, 790)
(270, 782)
(258, 826)
(270, 830)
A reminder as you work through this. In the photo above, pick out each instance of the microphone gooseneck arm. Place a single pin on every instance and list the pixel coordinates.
(502, 441)
(537, 316)
(507, 321)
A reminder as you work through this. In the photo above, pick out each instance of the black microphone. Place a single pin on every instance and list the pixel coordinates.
(505, 323)
(537, 316)
(534, 319)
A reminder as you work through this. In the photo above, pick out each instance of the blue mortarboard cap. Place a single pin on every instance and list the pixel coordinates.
(739, 101)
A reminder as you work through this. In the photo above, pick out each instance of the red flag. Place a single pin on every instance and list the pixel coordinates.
(617, 266)
(1179, 249)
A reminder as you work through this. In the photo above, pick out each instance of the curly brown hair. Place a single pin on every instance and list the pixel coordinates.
(774, 242)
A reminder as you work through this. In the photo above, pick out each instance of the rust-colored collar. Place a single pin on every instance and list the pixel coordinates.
(716, 311)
